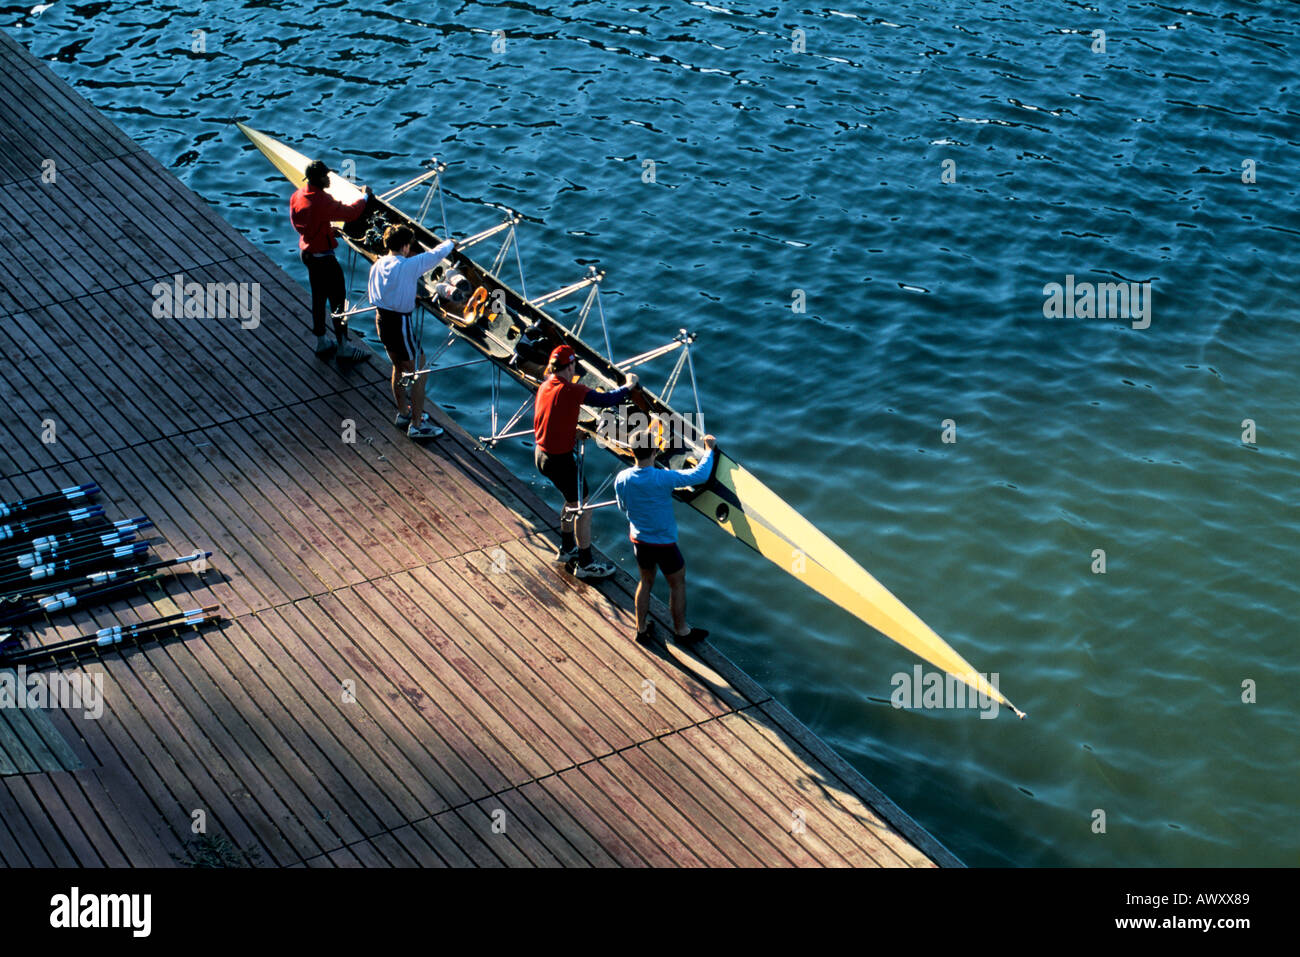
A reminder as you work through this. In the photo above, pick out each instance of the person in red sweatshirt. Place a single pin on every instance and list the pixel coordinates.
(555, 427)
(313, 213)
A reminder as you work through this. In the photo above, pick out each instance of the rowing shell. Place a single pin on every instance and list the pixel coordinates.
(732, 498)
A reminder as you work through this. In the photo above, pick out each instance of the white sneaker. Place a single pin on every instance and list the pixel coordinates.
(352, 352)
(403, 419)
(596, 569)
(423, 431)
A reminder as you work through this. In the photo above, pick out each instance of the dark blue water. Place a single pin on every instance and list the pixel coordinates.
(822, 170)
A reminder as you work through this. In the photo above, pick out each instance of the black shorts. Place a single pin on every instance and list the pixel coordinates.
(394, 329)
(667, 557)
(562, 470)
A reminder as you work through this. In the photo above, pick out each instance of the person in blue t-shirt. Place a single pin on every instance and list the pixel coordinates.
(645, 494)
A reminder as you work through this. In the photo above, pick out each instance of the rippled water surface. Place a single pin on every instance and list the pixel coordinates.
(822, 170)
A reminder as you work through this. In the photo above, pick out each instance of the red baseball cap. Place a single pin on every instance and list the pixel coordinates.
(561, 356)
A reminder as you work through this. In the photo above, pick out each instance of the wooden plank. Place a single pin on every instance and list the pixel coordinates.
(37, 731)
(713, 789)
(187, 528)
(908, 838)
(854, 818)
(540, 827)
(100, 847)
(59, 376)
(27, 104)
(193, 780)
(509, 839)
(343, 857)
(388, 852)
(255, 551)
(612, 687)
(30, 840)
(798, 788)
(190, 717)
(366, 732)
(658, 813)
(692, 758)
(524, 744)
(442, 843)
(678, 700)
(49, 215)
(78, 121)
(479, 853)
(123, 788)
(330, 479)
(257, 489)
(249, 743)
(13, 834)
(624, 814)
(58, 837)
(12, 744)
(243, 649)
(535, 659)
(577, 825)
(695, 808)
(438, 747)
(84, 407)
(21, 724)
(421, 854)
(138, 848)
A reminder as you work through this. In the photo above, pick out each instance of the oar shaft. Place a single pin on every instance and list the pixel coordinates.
(107, 637)
(71, 551)
(101, 577)
(67, 600)
(42, 503)
(45, 543)
(44, 575)
(70, 599)
(58, 569)
(17, 531)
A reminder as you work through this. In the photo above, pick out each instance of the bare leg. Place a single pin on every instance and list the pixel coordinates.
(417, 396)
(399, 394)
(677, 600)
(643, 596)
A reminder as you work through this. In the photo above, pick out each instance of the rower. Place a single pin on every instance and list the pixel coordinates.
(558, 404)
(645, 494)
(313, 213)
(392, 286)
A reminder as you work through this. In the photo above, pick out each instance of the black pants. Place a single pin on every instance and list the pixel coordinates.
(326, 278)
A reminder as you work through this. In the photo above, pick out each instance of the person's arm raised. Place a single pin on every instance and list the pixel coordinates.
(700, 472)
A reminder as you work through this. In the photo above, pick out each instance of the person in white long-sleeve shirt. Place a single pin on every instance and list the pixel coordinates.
(392, 287)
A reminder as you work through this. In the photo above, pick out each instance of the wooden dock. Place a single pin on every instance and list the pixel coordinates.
(403, 678)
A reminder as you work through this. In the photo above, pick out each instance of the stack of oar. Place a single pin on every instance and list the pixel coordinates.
(116, 634)
(54, 557)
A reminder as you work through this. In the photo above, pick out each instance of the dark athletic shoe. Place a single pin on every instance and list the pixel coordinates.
(353, 352)
(692, 637)
(565, 555)
(325, 346)
(646, 636)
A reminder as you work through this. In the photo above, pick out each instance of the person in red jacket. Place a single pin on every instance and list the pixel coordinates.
(555, 427)
(313, 213)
